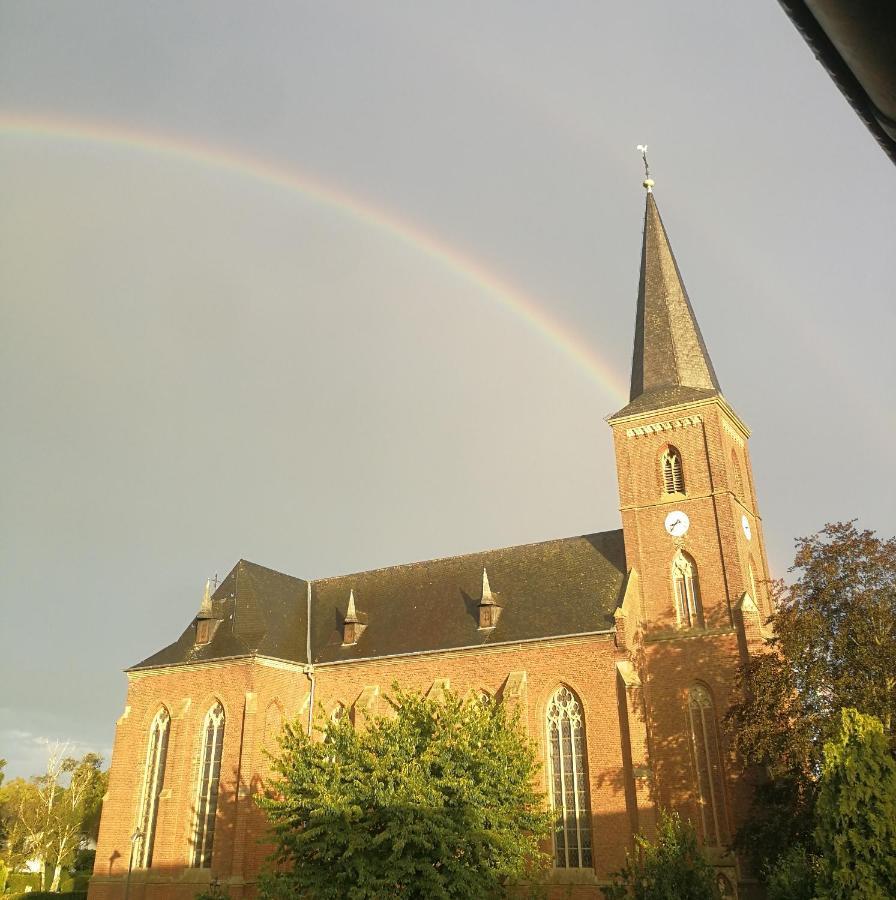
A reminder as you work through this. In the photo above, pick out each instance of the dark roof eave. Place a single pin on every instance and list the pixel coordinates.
(839, 69)
(301, 664)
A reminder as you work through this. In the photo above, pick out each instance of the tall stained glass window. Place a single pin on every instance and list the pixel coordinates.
(569, 786)
(207, 793)
(708, 765)
(153, 779)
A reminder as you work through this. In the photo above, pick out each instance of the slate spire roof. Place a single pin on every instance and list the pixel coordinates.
(670, 362)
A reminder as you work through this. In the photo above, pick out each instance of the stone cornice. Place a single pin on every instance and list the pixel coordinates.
(681, 410)
(655, 427)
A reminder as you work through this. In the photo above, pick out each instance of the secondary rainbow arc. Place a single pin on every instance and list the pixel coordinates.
(530, 311)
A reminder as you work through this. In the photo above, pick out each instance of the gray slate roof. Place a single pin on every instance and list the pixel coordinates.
(560, 587)
(670, 362)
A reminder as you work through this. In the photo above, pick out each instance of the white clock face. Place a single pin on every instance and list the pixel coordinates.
(744, 523)
(677, 523)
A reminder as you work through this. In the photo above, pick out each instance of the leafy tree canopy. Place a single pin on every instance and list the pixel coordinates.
(672, 868)
(856, 813)
(835, 647)
(434, 801)
(48, 817)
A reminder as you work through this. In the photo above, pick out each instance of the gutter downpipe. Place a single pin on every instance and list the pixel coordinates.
(309, 666)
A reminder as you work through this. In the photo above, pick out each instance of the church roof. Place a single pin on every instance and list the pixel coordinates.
(550, 589)
(670, 362)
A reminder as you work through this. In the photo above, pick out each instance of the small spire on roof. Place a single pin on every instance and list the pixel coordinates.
(205, 608)
(487, 598)
(648, 181)
(351, 614)
(352, 625)
(489, 611)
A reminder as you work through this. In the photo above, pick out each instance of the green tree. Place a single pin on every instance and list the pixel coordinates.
(50, 816)
(836, 625)
(434, 801)
(793, 875)
(856, 813)
(672, 868)
(835, 647)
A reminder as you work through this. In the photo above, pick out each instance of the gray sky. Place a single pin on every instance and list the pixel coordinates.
(197, 365)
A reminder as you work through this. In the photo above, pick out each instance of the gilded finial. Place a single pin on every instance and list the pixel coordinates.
(648, 181)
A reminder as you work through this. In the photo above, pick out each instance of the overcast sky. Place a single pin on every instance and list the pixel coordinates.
(328, 370)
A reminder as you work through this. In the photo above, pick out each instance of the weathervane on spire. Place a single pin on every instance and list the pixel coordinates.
(648, 181)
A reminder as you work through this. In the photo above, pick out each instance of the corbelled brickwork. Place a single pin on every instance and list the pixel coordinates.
(647, 627)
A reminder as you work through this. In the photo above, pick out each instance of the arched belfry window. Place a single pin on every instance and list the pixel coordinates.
(569, 785)
(686, 590)
(153, 779)
(209, 780)
(673, 476)
(707, 764)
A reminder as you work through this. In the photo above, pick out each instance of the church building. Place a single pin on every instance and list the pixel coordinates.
(619, 648)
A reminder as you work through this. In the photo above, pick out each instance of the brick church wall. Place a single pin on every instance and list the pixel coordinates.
(249, 690)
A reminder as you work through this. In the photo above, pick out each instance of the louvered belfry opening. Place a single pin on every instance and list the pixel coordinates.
(673, 476)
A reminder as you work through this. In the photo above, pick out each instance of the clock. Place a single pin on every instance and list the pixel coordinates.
(745, 524)
(677, 523)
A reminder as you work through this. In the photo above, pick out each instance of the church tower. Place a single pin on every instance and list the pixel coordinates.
(697, 595)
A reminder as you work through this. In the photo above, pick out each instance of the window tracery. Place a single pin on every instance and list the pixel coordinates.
(569, 786)
(673, 475)
(686, 590)
(708, 764)
(209, 782)
(153, 780)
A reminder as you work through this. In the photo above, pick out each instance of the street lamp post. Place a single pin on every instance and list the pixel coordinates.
(136, 836)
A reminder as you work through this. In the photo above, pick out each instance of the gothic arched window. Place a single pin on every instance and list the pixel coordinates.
(569, 785)
(707, 764)
(153, 779)
(737, 480)
(209, 779)
(686, 590)
(673, 476)
(753, 593)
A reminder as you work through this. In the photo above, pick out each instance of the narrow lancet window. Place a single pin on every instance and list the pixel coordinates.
(207, 794)
(737, 481)
(673, 477)
(569, 785)
(708, 765)
(153, 779)
(686, 590)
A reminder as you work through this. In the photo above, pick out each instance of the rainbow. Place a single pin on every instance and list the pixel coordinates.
(532, 313)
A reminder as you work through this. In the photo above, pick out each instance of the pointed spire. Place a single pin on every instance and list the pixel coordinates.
(670, 363)
(351, 614)
(352, 625)
(489, 611)
(205, 608)
(487, 598)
